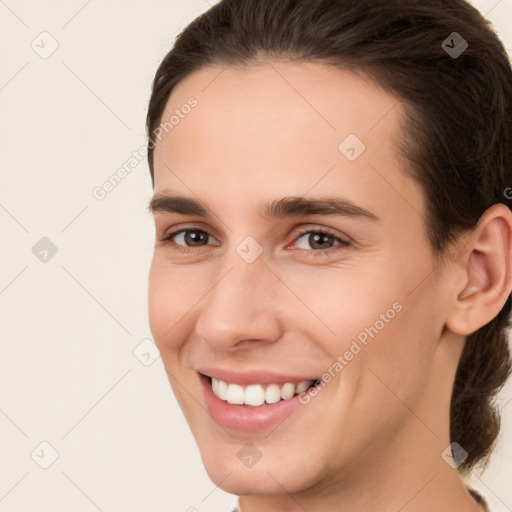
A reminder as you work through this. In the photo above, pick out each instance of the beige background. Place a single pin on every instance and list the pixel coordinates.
(69, 375)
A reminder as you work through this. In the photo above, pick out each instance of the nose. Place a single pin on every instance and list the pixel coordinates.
(242, 305)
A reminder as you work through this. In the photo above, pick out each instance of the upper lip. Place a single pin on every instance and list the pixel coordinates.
(252, 376)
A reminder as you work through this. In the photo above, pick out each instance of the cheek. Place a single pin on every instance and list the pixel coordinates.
(343, 305)
(371, 320)
(170, 298)
(158, 305)
(396, 362)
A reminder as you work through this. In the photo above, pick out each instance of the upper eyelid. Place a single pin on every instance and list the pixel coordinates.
(176, 230)
(326, 231)
(179, 231)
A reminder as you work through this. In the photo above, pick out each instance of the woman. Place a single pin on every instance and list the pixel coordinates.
(330, 288)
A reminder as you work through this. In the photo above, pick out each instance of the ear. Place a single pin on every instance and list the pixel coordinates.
(485, 271)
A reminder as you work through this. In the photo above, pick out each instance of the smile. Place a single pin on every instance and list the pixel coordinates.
(252, 401)
(256, 395)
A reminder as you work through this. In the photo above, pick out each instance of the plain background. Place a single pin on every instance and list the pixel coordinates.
(75, 340)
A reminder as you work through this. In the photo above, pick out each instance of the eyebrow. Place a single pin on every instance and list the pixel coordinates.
(277, 209)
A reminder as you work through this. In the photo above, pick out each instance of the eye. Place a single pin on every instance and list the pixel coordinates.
(313, 241)
(319, 241)
(187, 238)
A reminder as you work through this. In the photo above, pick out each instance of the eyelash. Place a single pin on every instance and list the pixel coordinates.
(313, 252)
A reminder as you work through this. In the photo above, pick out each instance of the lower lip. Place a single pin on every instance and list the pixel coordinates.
(247, 419)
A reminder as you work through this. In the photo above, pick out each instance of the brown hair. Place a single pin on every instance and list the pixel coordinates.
(457, 135)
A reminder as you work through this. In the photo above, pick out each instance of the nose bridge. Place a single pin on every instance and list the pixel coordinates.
(240, 304)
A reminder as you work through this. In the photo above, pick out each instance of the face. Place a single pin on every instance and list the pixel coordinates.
(296, 253)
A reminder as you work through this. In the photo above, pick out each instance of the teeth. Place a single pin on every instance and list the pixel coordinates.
(272, 394)
(287, 391)
(256, 394)
(302, 386)
(222, 390)
(235, 394)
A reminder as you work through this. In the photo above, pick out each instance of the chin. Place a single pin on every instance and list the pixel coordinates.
(242, 481)
(267, 476)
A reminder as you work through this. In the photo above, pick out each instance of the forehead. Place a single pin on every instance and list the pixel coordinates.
(279, 124)
(278, 99)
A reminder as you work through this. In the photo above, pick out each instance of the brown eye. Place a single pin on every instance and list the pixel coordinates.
(318, 241)
(189, 237)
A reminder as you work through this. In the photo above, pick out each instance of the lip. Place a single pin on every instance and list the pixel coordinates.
(247, 378)
(245, 418)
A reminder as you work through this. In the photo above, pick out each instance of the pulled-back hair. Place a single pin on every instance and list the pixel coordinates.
(456, 138)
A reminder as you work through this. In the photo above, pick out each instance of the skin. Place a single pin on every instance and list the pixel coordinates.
(372, 438)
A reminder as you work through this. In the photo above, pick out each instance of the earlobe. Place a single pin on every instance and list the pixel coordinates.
(486, 273)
